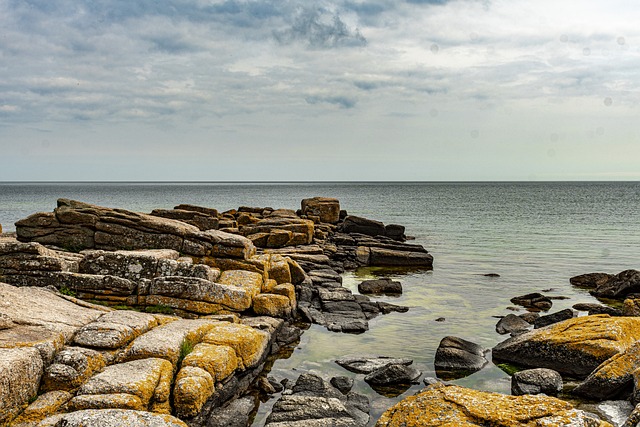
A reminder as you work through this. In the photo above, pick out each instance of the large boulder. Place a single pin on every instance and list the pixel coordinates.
(326, 209)
(618, 286)
(574, 347)
(443, 406)
(360, 225)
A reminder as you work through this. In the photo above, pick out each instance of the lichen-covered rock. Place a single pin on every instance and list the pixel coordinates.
(272, 305)
(228, 294)
(45, 405)
(71, 367)
(140, 384)
(220, 361)
(104, 335)
(283, 231)
(440, 405)
(46, 341)
(249, 344)
(20, 373)
(327, 209)
(575, 346)
(193, 387)
(613, 377)
(249, 281)
(199, 219)
(111, 418)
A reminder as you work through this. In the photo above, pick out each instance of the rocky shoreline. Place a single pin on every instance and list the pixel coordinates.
(112, 317)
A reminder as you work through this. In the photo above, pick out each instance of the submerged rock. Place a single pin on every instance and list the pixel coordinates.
(393, 373)
(367, 365)
(442, 405)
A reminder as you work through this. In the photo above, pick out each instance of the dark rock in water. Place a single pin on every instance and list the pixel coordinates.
(236, 414)
(440, 319)
(620, 285)
(342, 383)
(491, 275)
(511, 323)
(395, 232)
(356, 224)
(393, 373)
(590, 280)
(552, 318)
(380, 286)
(534, 300)
(457, 358)
(536, 381)
(366, 365)
(592, 309)
(315, 402)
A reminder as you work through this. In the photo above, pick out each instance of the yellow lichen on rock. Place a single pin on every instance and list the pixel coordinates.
(440, 406)
(273, 305)
(219, 361)
(247, 280)
(45, 405)
(248, 343)
(193, 388)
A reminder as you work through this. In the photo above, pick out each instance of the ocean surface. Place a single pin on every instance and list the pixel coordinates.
(535, 235)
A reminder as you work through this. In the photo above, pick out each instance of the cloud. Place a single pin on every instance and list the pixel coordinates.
(341, 101)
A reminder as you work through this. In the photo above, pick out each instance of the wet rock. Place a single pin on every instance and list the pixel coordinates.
(552, 318)
(511, 323)
(327, 209)
(395, 232)
(380, 286)
(534, 300)
(316, 403)
(442, 405)
(367, 365)
(530, 317)
(110, 418)
(574, 347)
(393, 373)
(356, 224)
(456, 358)
(590, 280)
(342, 383)
(620, 285)
(592, 308)
(392, 257)
(536, 381)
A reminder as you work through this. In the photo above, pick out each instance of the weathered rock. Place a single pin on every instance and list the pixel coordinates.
(631, 307)
(512, 324)
(193, 387)
(71, 367)
(590, 280)
(552, 318)
(619, 286)
(536, 381)
(45, 405)
(574, 347)
(46, 341)
(249, 281)
(249, 344)
(369, 364)
(393, 373)
(231, 295)
(104, 335)
(220, 361)
(198, 219)
(441, 405)
(111, 418)
(236, 414)
(282, 230)
(534, 300)
(356, 224)
(395, 232)
(592, 308)
(613, 378)
(456, 357)
(392, 257)
(272, 305)
(342, 383)
(380, 286)
(327, 209)
(20, 373)
(614, 412)
(140, 385)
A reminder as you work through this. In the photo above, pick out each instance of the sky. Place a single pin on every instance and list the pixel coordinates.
(335, 90)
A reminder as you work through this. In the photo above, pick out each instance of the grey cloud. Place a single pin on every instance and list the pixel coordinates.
(341, 101)
(320, 29)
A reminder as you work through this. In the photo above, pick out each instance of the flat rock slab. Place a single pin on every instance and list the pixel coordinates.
(230, 296)
(440, 406)
(111, 418)
(574, 347)
(367, 365)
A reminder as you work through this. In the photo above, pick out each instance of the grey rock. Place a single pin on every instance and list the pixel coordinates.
(380, 286)
(615, 412)
(511, 323)
(342, 383)
(235, 414)
(393, 373)
(552, 318)
(111, 418)
(534, 300)
(620, 285)
(536, 381)
(456, 357)
(369, 364)
(592, 308)
(20, 373)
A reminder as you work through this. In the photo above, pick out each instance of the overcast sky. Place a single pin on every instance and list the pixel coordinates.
(245, 90)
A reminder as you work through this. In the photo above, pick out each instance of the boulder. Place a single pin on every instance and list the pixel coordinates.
(45, 405)
(393, 373)
(342, 383)
(110, 418)
(552, 318)
(619, 286)
(229, 294)
(20, 373)
(356, 224)
(512, 324)
(46, 341)
(193, 387)
(272, 305)
(536, 381)
(456, 358)
(440, 405)
(283, 231)
(327, 209)
(249, 281)
(533, 301)
(590, 280)
(250, 344)
(380, 286)
(220, 361)
(368, 364)
(574, 347)
(238, 413)
(71, 367)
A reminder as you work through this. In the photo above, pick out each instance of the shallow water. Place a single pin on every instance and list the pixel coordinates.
(535, 235)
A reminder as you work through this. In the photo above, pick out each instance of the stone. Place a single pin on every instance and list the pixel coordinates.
(511, 324)
(104, 335)
(590, 280)
(631, 307)
(237, 413)
(367, 365)
(552, 318)
(233, 295)
(393, 373)
(272, 305)
(111, 418)
(614, 412)
(278, 269)
(45, 405)
(573, 347)
(440, 405)
(140, 384)
(193, 387)
(198, 219)
(456, 358)
(202, 209)
(249, 344)
(619, 286)
(592, 308)
(20, 373)
(299, 231)
(614, 378)
(71, 367)
(249, 281)
(534, 300)
(395, 232)
(391, 257)
(132, 265)
(220, 361)
(536, 381)
(356, 224)
(380, 286)
(342, 383)
(327, 209)
(46, 341)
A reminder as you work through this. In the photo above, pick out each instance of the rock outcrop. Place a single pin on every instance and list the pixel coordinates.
(609, 286)
(441, 405)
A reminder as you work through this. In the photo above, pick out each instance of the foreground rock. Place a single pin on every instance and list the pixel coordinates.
(536, 381)
(110, 418)
(457, 358)
(441, 405)
(574, 347)
(316, 403)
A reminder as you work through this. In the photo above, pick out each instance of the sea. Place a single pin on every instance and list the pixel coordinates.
(534, 235)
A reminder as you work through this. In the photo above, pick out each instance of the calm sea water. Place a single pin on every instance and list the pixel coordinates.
(535, 235)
